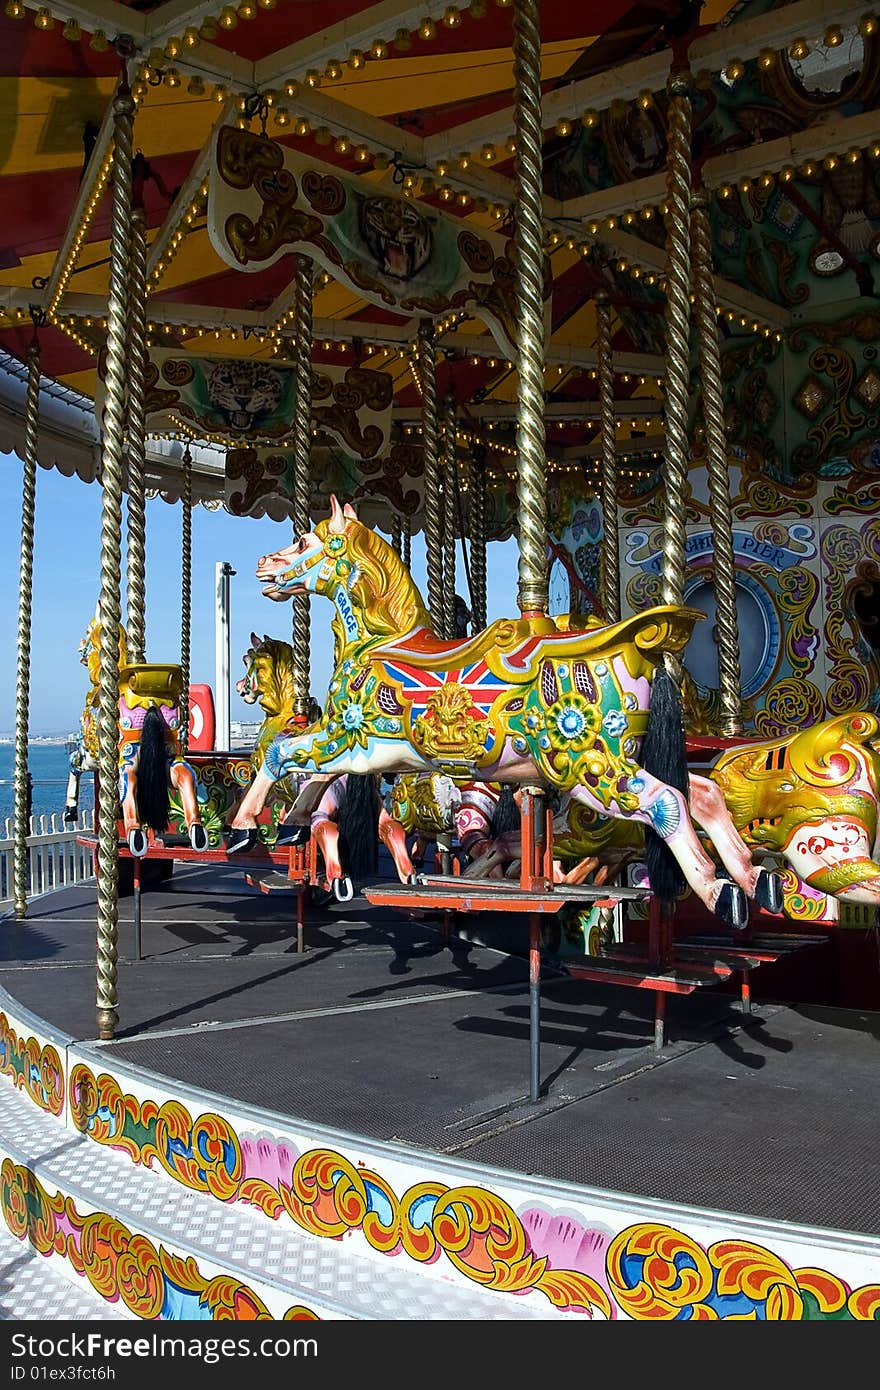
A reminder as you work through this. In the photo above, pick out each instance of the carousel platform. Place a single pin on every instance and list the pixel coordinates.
(347, 1132)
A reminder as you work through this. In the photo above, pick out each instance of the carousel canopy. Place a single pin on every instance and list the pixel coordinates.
(379, 140)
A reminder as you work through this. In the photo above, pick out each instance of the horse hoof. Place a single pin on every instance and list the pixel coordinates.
(241, 841)
(70, 815)
(732, 906)
(137, 843)
(296, 835)
(198, 836)
(768, 892)
(416, 880)
(342, 889)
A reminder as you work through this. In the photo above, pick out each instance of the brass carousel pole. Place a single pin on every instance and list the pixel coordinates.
(433, 523)
(610, 557)
(716, 461)
(533, 595)
(406, 542)
(21, 781)
(528, 240)
(136, 513)
(449, 521)
(111, 564)
(186, 504)
(302, 475)
(678, 314)
(477, 528)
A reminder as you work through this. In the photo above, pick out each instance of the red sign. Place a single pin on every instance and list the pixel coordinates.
(201, 718)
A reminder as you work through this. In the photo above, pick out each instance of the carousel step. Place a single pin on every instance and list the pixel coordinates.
(31, 1286)
(188, 1238)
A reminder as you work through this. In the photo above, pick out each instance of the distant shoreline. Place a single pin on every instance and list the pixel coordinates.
(46, 740)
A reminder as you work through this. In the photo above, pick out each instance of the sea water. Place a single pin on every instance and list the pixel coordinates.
(48, 764)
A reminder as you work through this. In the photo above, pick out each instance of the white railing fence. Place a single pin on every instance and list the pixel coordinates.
(55, 860)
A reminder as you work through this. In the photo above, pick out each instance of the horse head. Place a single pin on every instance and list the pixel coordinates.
(355, 568)
(268, 674)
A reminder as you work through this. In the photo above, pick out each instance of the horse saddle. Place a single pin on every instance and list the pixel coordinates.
(514, 648)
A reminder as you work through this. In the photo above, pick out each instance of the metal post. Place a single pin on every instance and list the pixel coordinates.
(678, 311)
(396, 532)
(534, 1007)
(433, 526)
(111, 565)
(302, 474)
(477, 527)
(136, 349)
(716, 462)
(610, 540)
(186, 504)
(449, 521)
(223, 571)
(22, 810)
(528, 240)
(406, 551)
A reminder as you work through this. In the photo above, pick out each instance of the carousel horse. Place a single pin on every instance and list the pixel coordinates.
(84, 757)
(269, 681)
(151, 760)
(520, 702)
(426, 805)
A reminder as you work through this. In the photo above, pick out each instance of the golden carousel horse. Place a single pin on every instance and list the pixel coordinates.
(521, 702)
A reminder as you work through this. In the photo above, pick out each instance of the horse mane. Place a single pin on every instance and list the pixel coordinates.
(382, 585)
(272, 664)
(93, 650)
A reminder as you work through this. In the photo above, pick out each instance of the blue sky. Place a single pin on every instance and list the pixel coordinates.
(66, 586)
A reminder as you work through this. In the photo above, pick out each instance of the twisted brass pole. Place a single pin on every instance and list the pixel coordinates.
(111, 565)
(302, 475)
(433, 525)
(396, 532)
(477, 527)
(528, 241)
(678, 270)
(720, 509)
(186, 504)
(137, 369)
(22, 809)
(406, 550)
(449, 522)
(610, 540)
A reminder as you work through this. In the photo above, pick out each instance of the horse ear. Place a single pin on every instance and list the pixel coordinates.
(349, 511)
(337, 515)
(255, 641)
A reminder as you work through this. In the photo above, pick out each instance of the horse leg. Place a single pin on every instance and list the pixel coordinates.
(709, 809)
(71, 800)
(665, 810)
(184, 782)
(325, 833)
(137, 840)
(393, 837)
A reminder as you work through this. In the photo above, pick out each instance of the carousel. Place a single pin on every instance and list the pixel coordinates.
(531, 969)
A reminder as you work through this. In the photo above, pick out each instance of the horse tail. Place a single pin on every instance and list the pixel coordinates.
(506, 816)
(359, 827)
(151, 779)
(664, 755)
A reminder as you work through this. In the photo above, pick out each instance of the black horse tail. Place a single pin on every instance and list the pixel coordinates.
(506, 816)
(664, 755)
(151, 782)
(359, 827)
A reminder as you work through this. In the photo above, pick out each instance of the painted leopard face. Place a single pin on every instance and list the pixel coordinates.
(245, 392)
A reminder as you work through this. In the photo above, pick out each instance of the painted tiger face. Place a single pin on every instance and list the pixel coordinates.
(398, 235)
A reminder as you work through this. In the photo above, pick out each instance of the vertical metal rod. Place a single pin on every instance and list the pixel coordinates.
(136, 513)
(396, 532)
(534, 1007)
(659, 1020)
(678, 312)
(186, 505)
(21, 779)
(449, 521)
(302, 476)
(720, 509)
(111, 566)
(610, 558)
(406, 552)
(533, 594)
(433, 525)
(222, 572)
(138, 922)
(477, 520)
